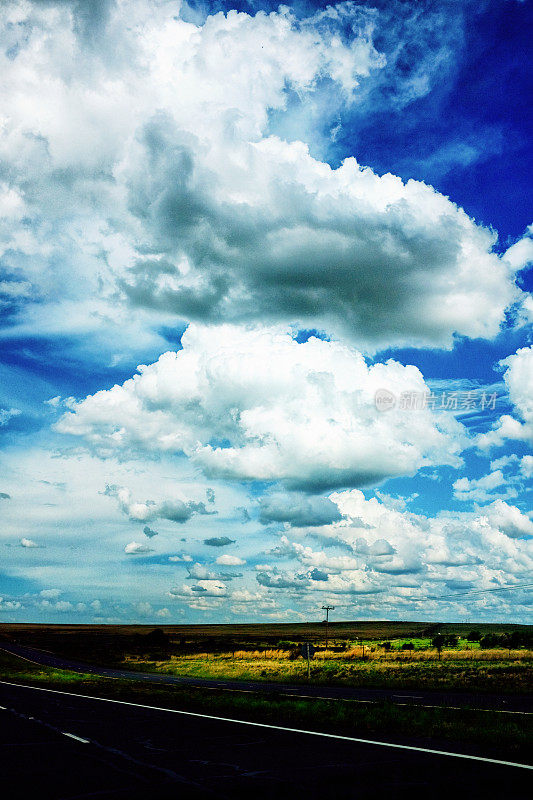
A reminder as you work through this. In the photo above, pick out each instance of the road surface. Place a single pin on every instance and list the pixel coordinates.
(62, 746)
(509, 704)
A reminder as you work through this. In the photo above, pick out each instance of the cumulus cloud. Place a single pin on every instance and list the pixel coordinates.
(175, 510)
(50, 593)
(10, 605)
(504, 462)
(24, 542)
(447, 541)
(406, 555)
(137, 548)
(518, 378)
(276, 579)
(298, 510)
(526, 466)
(204, 588)
(344, 248)
(311, 424)
(230, 561)
(219, 541)
(158, 174)
(509, 519)
(5, 496)
(200, 572)
(479, 489)
(149, 532)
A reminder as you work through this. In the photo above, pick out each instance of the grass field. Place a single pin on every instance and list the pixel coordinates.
(482, 732)
(357, 655)
(472, 670)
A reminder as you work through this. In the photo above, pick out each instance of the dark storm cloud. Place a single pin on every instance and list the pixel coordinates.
(298, 510)
(219, 541)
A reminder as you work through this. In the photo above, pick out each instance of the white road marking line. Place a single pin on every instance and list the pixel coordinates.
(23, 657)
(321, 734)
(54, 666)
(3, 708)
(78, 738)
(409, 696)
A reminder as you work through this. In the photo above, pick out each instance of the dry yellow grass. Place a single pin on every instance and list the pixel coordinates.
(474, 669)
(469, 654)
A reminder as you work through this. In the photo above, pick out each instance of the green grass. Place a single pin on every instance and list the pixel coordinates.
(482, 732)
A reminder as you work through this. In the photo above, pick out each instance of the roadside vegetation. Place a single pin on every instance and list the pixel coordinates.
(439, 663)
(487, 733)
(415, 655)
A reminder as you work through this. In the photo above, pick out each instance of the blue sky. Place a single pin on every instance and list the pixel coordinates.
(302, 208)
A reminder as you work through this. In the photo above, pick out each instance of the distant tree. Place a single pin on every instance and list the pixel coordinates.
(507, 641)
(521, 639)
(490, 640)
(438, 642)
(451, 640)
(473, 636)
(386, 645)
(407, 646)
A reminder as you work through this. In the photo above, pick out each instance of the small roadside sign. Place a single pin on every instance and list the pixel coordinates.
(307, 650)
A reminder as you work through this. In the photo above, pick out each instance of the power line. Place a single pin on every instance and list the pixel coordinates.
(484, 591)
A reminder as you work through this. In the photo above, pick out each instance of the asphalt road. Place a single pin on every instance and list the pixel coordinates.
(510, 704)
(59, 746)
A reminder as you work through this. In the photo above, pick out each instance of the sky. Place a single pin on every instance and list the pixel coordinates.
(265, 293)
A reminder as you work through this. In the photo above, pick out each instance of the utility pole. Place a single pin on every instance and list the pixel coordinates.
(327, 609)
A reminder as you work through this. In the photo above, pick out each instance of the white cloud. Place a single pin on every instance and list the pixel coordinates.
(10, 605)
(147, 159)
(311, 423)
(526, 466)
(24, 542)
(479, 489)
(230, 561)
(175, 510)
(503, 462)
(134, 548)
(519, 380)
(298, 510)
(50, 593)
(520, 254)
(199, 571)
(509, 519)
(203, 588)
